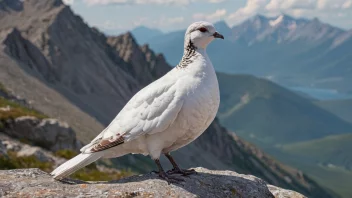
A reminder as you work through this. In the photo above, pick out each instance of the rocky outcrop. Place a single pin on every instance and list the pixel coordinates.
(156, 62)
(50, 134)
(56, 49)
(129, 51)
(8, 144)
(207, 183)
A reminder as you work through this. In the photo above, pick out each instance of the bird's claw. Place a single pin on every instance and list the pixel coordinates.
(170, 179)
(182, 172)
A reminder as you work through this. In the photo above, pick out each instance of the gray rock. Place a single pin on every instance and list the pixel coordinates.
(50, 134)
(3, 150)
(21, 149)
(282, 193)
(207, 183)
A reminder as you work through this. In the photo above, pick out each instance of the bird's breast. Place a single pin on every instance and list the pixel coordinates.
(201, 103)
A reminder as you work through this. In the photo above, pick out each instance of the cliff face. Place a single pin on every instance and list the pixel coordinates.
(67, 70)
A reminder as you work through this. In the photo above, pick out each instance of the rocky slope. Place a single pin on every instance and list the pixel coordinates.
(207, 183)
(10, 147)
(67, 70)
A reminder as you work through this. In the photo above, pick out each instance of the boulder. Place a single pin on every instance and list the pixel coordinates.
(8, 144)
(207, 183)
(50, 134)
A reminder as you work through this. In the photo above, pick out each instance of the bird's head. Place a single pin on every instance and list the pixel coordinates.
(200, 34)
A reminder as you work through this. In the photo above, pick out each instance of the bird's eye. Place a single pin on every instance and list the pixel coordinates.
(203, 29)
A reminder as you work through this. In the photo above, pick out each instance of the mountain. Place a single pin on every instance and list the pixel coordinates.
(284, 29)
(290, 127)
(143, 34)
(223, 27)
(293, 52)
(267, 114)
(327, 160)
(341, 108)
(327, 151)
(60, 66)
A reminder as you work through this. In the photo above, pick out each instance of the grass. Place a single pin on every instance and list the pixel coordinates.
(89, 173)
(65, 153)
(17, 110)
(13, 162)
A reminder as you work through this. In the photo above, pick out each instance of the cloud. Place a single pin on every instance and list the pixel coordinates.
(141, 2)
(296, 8)
(162, 22)
(251, 8)
(217, 15)
(347, 5)
(108, 25)
(68, 2)
(216, 1)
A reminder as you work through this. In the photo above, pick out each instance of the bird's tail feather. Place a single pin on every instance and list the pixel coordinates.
(75, 164)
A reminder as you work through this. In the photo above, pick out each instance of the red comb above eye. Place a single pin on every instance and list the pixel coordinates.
(203, 29)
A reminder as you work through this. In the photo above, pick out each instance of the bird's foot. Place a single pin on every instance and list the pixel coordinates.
(181, 171)
(170, 179)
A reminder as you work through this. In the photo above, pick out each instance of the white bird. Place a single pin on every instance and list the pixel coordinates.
(166, 115)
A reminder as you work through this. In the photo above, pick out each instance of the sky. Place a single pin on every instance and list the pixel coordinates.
(116, 16)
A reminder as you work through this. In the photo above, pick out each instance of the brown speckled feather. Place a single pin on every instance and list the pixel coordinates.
(104, 144)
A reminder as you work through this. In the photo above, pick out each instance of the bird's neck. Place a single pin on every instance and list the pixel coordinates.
(191, 53)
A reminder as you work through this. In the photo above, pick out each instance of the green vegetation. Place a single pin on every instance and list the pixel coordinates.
(13, 162)
(66, 153)
(89, 173)
(17, 110)
(3, 89)
(334, 150)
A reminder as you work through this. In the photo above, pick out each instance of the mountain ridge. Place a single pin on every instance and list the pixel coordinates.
(291, 52)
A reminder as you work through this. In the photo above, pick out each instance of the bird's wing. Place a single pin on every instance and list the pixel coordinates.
(151, 110)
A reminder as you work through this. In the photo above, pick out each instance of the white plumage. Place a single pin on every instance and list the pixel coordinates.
(164, 116)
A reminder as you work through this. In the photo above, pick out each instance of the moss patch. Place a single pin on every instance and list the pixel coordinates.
(17, 110)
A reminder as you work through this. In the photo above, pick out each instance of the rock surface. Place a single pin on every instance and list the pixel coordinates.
(207, 183)
(8, 144)
(50, 134)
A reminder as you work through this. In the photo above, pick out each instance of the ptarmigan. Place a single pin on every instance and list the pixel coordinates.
(166, 115)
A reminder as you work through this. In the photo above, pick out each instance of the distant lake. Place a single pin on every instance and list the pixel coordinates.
(322, 94)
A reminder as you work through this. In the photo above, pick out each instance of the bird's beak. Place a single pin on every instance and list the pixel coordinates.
(218, 35)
